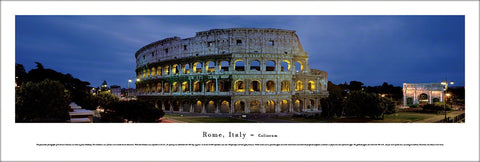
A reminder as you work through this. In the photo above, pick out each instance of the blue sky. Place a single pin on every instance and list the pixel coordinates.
(370, 49)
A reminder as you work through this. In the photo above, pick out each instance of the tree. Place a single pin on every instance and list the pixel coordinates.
(106, 99)
(45, 101)
(332, 106)
(78, 90)
(20, 74)
(362, 104)
(355, 86)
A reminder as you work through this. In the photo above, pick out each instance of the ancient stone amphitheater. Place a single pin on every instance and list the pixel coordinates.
(238, 70)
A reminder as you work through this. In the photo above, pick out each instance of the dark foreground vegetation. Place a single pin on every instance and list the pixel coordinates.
(43, 95)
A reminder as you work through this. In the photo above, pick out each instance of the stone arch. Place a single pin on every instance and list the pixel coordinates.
(147, 89)
(299, 85)
(197, 87)
(285, 86)
(175, 69)
(298, 106)
(152, 88)
(159, 71)
(239, 106)
(153, 71)
(270, 65)
(239, 86)
(435, 100)
(285, 65)
(197, 67)
(210, 66)
(255, 65)
(148, 72)
(166, 70)
(166, 87)
(270, 86)
(270, 106)
(185, 87)
(409, 100)
(176, 105)
(224, 66)
(186, 106)
(159, 87)
(311, 85)
(255, 106)
(210, 86)
(186, 68)
(224, 86)
(284, 106)
(225, 107)
(166, 104)
(311, 104)
(239, 65)
(210, 107)
(255, 86)
(423, 98)
(298, 66)
(144, 73)
(198, 106)
(175, 87)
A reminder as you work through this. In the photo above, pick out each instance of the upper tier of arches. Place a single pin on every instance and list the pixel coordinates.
(222, 41)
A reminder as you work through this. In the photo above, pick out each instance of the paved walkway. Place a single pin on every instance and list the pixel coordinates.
(168, 120)
(440, 117)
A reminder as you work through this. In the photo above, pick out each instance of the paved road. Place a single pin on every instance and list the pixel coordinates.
(168, 120)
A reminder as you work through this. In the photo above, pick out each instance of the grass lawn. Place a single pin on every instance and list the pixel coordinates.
(406, 117)
(205, 119)
(302, 120)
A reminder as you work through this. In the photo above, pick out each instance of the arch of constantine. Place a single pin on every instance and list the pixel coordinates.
(238, 70)
(414, 93)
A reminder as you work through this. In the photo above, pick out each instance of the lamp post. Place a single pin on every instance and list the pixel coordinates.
(445, 85)
(129, 80)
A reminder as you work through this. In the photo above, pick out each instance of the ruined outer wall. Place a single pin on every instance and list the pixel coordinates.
(222, 41)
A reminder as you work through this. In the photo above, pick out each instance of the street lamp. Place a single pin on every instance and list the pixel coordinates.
(129, 81)
(126, 93)
(445, 85)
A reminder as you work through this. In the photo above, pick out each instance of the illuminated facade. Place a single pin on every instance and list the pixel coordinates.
(414, 93)
(238, 70)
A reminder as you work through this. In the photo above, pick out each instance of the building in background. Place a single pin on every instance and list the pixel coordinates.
(129, 93)
(116, 90)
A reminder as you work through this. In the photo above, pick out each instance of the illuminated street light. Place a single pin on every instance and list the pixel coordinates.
(445, 84)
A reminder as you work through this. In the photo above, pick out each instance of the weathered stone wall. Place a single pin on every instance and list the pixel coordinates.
(222, 41)
(201, 73)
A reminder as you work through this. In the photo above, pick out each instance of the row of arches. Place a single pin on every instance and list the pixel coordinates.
(241, 106)
(222, 66)
(223, 86)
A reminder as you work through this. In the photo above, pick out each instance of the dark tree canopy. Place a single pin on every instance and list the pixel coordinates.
(78, 90)
(45, 101)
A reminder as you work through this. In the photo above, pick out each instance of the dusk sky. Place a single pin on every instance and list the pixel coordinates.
(370, 49)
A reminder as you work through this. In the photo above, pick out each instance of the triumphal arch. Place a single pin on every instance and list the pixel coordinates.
(414, 93)
(237, 70)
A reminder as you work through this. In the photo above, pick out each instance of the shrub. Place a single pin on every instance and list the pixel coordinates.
(435, 108)
(136, 111)
(413, 105)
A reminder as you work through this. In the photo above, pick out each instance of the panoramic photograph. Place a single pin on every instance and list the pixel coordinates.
(240, 69)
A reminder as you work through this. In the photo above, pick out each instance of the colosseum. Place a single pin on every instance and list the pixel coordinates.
(236, 71)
